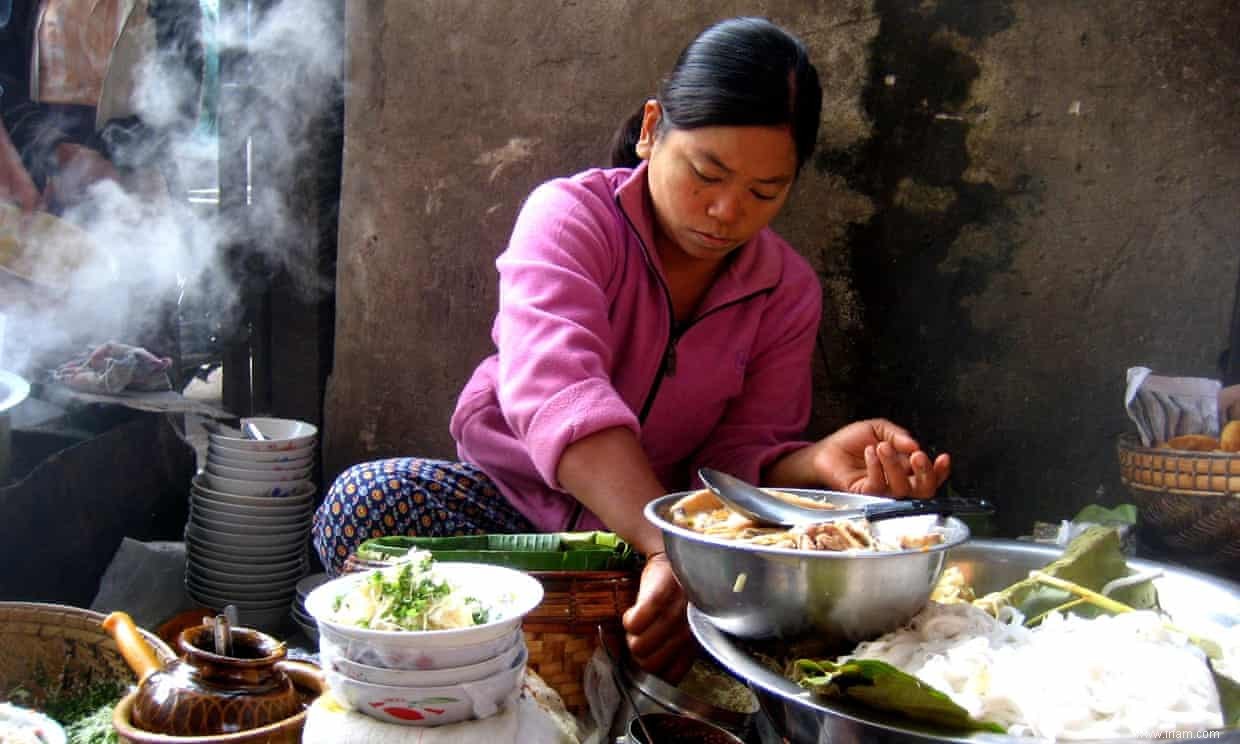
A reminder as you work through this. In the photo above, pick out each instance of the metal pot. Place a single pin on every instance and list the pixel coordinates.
(669, 727)
(651, 695)
(755, 591)
(13, 390)
(1193, 599)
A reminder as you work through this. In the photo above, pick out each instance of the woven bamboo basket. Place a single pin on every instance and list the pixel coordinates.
(1189, 502)
(55, 650)
(562, 633)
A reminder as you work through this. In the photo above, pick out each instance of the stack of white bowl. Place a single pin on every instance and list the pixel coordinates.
(434, 677)
(250, 512)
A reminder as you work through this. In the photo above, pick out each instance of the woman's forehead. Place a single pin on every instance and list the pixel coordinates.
(761, 153)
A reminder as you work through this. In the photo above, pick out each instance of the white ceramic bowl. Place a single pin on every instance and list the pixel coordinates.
(217, 451)
(256, 545)
(212, 579)
(28, 722)
(248, 582)
(205, 515)
(243, 592)
(282, 435)
(255, 505)
(508, 593)
(217, 600)
(300, 496)
(238, 487)
(250, 474)
(432, 705)
(301, 463)
(241, 535)
(243, 555)
(232, 566)
(333, 659)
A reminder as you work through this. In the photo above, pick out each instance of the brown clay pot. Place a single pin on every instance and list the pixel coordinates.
(204, 693)
(307, 678)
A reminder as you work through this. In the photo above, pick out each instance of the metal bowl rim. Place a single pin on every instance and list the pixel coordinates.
(957, 527)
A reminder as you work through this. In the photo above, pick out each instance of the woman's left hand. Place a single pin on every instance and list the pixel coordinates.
(876, 456)
(657, 630)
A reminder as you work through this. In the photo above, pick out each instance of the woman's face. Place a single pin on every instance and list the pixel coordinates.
(714, 188)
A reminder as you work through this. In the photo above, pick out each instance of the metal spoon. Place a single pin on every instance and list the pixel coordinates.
(762, 507)
(251, 431)
(222, 635)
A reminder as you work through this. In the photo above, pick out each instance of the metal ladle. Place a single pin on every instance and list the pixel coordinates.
(760, 506)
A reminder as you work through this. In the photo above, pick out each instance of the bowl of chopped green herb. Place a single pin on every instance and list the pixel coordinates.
(420, 614)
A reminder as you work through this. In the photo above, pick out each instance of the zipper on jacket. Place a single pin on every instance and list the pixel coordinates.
(667, 365)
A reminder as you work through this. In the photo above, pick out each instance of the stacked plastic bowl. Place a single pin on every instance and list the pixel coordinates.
(431, 677)
(249, 521)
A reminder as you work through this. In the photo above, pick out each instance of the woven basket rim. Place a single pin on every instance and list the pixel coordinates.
(1129, 441)
(46, 613)
(1180, 491)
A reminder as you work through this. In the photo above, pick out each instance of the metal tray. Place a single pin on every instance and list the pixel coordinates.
(1194, 600)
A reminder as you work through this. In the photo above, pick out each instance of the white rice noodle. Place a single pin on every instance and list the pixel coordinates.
(1069, 678)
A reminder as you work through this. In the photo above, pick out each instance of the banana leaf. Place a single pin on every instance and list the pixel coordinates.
(1092, 560)
(559, 551)
(877, 684)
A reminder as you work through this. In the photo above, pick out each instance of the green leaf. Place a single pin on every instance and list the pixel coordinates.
(1228, 697)
(877, 684)
(1095, 514)
(1092, 560)
(532, 542)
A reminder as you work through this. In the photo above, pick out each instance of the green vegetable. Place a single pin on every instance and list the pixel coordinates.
(880, 685)
(93, 728)
(1091, 561)
(1229, 698)
(1095, 514)
(84, 710)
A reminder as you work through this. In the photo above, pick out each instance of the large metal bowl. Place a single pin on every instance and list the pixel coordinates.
(1195, 601)
(761, 592)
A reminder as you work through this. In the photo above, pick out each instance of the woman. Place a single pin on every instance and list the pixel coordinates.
(650, 323)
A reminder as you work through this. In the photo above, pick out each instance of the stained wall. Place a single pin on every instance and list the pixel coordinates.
(1013, 202)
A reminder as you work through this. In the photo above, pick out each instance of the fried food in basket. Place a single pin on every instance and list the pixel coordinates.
(1229, 440)
(1193, 443)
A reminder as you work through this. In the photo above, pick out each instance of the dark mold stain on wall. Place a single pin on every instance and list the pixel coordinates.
(909, 348)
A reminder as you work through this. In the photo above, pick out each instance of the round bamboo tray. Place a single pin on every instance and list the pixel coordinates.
(1189, 502)
(50, 650)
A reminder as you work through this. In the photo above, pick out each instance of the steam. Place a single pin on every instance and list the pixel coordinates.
(163, 244)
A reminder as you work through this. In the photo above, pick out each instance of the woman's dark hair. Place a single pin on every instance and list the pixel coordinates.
(739, 72)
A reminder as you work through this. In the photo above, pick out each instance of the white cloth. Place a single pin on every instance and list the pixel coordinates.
(538, 717)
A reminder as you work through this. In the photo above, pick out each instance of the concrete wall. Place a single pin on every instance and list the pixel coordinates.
(1014, 201)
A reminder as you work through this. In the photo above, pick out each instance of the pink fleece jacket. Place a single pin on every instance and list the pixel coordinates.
(586, 341)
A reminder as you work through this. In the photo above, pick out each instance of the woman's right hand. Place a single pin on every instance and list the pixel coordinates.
(657, 626)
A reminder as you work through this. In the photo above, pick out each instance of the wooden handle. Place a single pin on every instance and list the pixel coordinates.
(137, 652)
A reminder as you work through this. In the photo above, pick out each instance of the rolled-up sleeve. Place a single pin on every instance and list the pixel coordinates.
(768, 419)
(554, 337)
